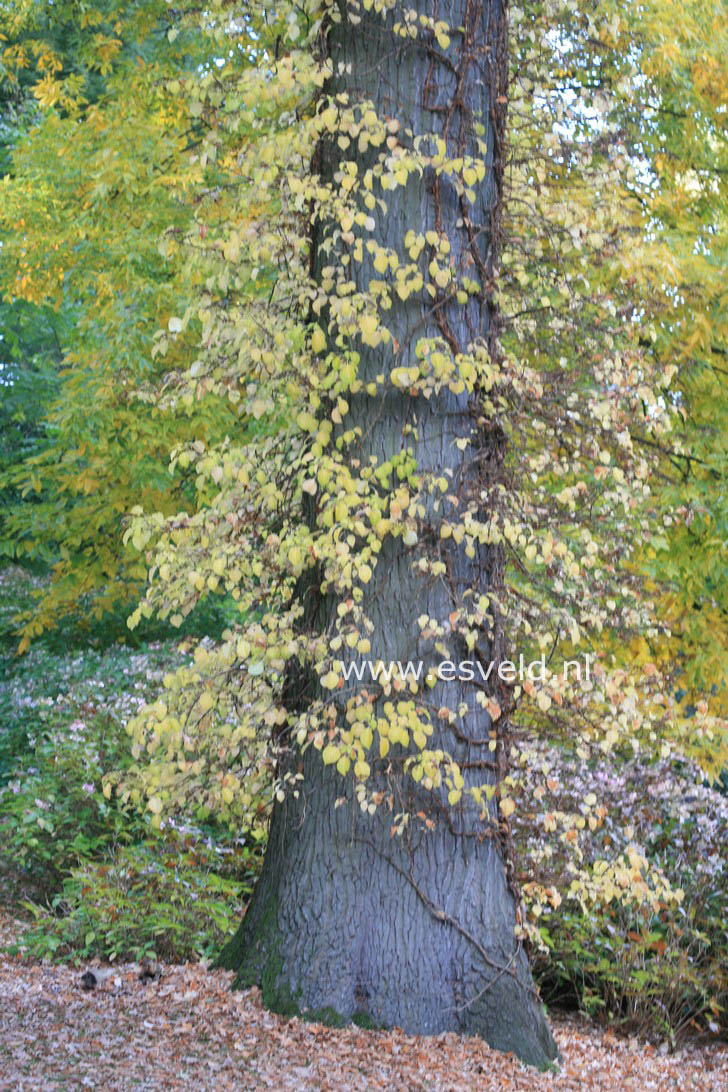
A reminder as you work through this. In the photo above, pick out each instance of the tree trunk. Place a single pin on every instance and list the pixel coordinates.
(348, 922)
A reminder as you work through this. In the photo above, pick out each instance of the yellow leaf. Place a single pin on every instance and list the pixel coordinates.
(368, 328)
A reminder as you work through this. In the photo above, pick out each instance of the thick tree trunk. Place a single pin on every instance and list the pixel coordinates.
(348, 922)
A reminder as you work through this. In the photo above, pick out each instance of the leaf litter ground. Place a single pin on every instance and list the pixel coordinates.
(187, 1029)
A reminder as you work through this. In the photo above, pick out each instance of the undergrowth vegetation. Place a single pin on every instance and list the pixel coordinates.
(642, 963)
(92, 876)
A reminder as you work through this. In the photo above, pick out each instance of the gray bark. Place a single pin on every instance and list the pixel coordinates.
(348, 922)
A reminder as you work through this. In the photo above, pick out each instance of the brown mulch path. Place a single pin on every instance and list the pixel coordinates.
(189, 1030)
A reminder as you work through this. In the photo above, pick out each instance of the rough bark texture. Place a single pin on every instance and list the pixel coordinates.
(348, 922)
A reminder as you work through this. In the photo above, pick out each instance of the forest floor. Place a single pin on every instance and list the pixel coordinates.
(187, 1029)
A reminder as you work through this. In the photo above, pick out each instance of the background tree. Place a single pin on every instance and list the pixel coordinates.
(30, 345)
(611, 262)
(103, 171)
(30, 358)
(677, 128)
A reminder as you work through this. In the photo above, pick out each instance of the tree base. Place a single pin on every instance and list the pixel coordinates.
(349, 924)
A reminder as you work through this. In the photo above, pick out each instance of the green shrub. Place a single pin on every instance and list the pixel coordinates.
(95, 878)
(658, 974)
(54, 811)
(172, 897)
(659, 977)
